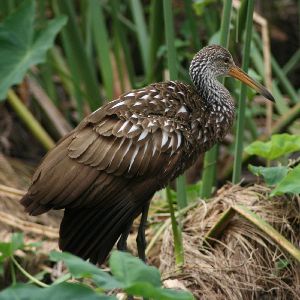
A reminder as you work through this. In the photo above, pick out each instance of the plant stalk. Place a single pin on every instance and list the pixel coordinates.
(172, 65)
(210, 159)
(177, 236)
(237, 165)
(29, 120)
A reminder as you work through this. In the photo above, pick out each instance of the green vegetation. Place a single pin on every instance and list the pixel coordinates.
(82, 54)
(128, 274)
(285, 176)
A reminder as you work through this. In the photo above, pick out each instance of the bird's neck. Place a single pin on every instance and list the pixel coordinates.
(217, 104)
(212, 92)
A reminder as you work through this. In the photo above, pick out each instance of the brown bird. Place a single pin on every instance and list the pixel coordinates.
(105, 172)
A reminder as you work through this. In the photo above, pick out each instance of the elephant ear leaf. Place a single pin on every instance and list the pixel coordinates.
(289, 184)
(22, 46)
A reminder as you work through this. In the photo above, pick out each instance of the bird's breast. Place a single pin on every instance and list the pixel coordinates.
(210, 127)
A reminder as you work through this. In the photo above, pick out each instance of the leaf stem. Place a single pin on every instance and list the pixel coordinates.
(12, 272)
(25, 273)
(26, 116)
(178, 246)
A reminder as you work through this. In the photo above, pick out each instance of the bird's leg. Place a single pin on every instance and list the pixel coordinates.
(122, 243)
(141, 239)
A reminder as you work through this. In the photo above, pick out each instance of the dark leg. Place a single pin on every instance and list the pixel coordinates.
(122, 243)
(141, 239)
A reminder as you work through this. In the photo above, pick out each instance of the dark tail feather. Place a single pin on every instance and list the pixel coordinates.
(92, 232)
(33, 207)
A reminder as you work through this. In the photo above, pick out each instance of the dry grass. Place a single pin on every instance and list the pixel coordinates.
(243, 264)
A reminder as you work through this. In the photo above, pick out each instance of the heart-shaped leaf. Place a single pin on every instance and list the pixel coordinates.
(21, 46)
(279, 145)
(271, 175)
(289, 184)
(62, 291)
(83, 269)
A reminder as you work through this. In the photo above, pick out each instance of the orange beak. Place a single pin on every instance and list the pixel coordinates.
(239, 74)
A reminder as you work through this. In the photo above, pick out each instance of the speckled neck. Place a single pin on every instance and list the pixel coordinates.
(211, 91)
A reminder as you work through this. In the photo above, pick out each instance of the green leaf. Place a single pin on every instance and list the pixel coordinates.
(289, 184)
(5, 251)
(21, 46)
(271, 175)
(282, 264)
(130, 273)
(279, 145)
(130, 270)
(284, 144)
(149, 291)
(8, 249)
(63, 291)
(201, 5)
(83, 269)
(17, 241)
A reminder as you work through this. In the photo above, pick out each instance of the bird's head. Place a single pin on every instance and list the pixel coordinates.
(216, 61)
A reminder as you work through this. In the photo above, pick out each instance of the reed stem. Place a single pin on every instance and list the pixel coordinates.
(210, 159)
(237, 165)
(172, 66)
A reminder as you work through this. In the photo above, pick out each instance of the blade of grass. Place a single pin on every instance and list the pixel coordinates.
(265, 227)
(46, 68)
(6, 7)
(122, 19)
(250, 124)
(47, 78)
(284, 81)
(121, 47)
(165, 224)
(141, 31)
(172, 66)
(218, 228)
(59, 65)
(170, 40)
(85, 12)
(156, 18)
(181, 192)
(189, 12)
(77, 57)
(29, 120)
(258, 62)
(101, 42)
(172, 63)
(55, 116)
(237, 165)
(292, 63)
(72, 64)
(211, 21)
(282, 78)
(210, 159)
(177, 236)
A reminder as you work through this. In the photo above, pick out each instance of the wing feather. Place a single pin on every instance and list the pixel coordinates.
(89, 159)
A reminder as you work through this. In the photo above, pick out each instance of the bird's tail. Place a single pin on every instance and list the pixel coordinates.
(92, 232)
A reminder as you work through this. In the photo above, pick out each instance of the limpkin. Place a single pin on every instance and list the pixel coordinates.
(105, 172)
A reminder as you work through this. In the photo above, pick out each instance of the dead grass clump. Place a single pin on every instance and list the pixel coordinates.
(245, 263)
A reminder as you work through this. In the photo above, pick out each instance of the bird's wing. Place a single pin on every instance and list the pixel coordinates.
(128, 148)
(109, 152)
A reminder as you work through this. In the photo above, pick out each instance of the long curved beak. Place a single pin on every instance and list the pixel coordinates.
(239, 74)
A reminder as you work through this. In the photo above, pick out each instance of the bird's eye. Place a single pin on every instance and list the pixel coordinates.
(226, 60)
